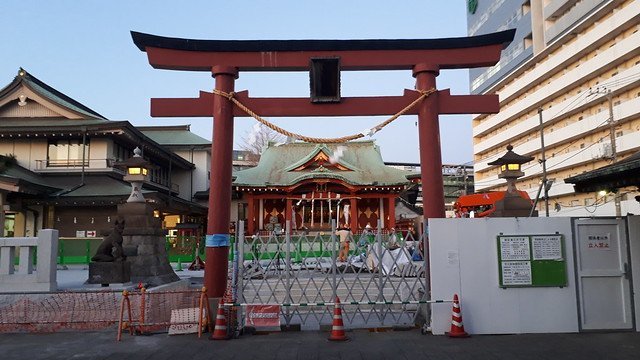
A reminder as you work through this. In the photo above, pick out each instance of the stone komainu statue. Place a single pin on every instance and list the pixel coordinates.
(110, 249)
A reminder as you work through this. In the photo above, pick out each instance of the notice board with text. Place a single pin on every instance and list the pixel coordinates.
(532, 260)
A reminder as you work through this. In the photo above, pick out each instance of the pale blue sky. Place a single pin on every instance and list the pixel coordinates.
(84, 49)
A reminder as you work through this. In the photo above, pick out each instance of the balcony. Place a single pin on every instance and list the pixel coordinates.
(65, 165)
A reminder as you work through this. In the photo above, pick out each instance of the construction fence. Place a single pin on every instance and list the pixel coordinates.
(380, 279)
(138, 311)
(55, 311)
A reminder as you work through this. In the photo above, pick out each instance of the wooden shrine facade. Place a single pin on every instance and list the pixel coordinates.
(308, 186)
(309, 210)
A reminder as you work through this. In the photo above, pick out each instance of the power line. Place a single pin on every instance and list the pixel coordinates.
(599, 202)
(571, 144)
(558, 163)
(573, 104)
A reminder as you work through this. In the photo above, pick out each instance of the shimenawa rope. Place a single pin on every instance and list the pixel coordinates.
(370, 132)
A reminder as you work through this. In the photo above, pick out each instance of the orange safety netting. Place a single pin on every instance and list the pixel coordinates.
(49, 312)
(145, 311)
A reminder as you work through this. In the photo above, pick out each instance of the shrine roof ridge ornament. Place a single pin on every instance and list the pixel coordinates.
(142, 41)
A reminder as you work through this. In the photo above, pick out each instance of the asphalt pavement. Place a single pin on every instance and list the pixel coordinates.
(310, 345)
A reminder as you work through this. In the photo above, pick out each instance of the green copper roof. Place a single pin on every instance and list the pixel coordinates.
(100, 186)
(50, 93)
(173, 135)
(362, 161)
(49, 122)
(11, 172)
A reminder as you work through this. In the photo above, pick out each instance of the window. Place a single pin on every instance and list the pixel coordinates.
(121, 153)
(9, 225)
(67, 153)
(160, 175)
(528, 41)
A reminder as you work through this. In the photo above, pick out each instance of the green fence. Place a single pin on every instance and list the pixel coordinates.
(183, 248)
(73, 250)
(79, 250)
(318, 246)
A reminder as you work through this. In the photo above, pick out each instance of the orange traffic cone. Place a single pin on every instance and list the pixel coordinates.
(457, 328)
(220, 328)
(337, 329)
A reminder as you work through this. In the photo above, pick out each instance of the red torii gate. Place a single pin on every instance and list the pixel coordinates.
(226, 58)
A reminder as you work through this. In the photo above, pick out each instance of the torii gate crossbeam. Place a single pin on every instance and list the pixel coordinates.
(226, 58)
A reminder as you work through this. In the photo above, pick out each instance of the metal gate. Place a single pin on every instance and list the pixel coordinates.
(380, 282)
(603, 274)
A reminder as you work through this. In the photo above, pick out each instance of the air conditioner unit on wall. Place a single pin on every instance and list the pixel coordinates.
(601, 151)
(607, 151)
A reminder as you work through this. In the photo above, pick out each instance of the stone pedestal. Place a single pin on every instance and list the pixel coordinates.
(512, 205)
(109, 272)
(144, 245)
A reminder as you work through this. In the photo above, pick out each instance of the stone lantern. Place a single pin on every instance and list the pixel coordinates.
(143, 236)
(137, 169)
(510, 167)
(513, 204)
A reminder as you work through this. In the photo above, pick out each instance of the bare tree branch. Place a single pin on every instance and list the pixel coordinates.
(257, 139)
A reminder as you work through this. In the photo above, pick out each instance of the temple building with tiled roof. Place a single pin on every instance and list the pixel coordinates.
(57, 163)
(311, 185)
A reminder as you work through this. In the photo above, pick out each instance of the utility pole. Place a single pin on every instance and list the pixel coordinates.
(614, 155)
(543, 161)
(465, 178)
(612, 138)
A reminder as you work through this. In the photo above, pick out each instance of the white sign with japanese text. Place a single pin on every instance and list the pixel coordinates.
(514, 248)
(547, 247)
(516, 272)
(599, 242)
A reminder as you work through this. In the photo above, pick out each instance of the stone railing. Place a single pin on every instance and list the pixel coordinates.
(25, 279)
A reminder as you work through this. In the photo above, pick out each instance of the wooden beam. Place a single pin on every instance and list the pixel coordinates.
(300, 107)
(357, 60)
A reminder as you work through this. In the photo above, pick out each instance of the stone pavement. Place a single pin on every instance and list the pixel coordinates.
(310, 345)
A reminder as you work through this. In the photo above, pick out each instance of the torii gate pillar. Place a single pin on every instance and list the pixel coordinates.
(429, 142)
(217, 239)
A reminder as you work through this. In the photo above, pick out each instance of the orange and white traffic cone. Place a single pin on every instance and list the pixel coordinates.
(457, 328)
(337, 329)
(220, 327)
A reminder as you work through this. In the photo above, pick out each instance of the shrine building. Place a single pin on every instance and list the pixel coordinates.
(311, 184)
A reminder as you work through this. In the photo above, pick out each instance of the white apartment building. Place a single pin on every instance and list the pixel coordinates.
(575, 67)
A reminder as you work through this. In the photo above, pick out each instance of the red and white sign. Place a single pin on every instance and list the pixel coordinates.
(263, 316)
(599, 242)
